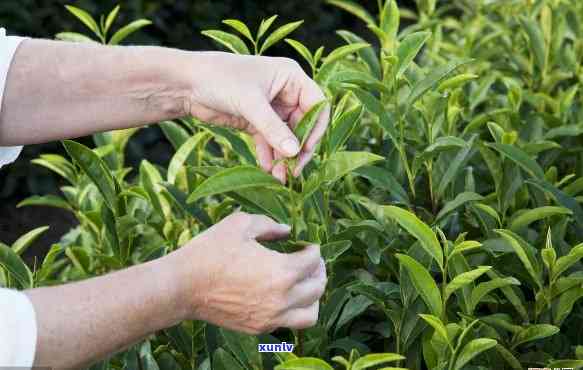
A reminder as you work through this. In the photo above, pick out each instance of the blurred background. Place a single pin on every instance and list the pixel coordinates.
(176, 23)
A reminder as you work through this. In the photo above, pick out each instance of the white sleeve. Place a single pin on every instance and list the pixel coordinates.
(8, 46)
(17, 330)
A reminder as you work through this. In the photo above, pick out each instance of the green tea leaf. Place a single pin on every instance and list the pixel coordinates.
(423, 282)
(73, 37)
(374, 105)
(222, 360)
(531, 215)
(565, 200)
(354, 307)
(371, 360)
(367, 54)
(437, 325)
(343, 127)
(534, 332)
(432, 79)
(456, 81)
(459, 201)
(308, 121)
(331, 251)
(233, 179)
(565, 304)
(46, 201)
(353, 8)
(111, 18)
(461, 158)
(84, 17)
(230, 41)
(390, 18)
(127, 30)
(342, 52)
(464, 279)
(305, 363)
(565, 364)
(336, 166)
(464, 246)
(483, 289)
(472, 349)
(418, 229)
(279, 34)
(179, 159)
(22, 243)
(238, 145)
(302, 50)
(564, 263)
(96, 170)
(524, 254)
(15, 266)
(58, 164)
(385, 180)
(509, 357)
(519, 157)
(175, 133)
(151, 181)
(240, 27)
(264, 26)
(536, 41)
(244, 347)
(408, 49)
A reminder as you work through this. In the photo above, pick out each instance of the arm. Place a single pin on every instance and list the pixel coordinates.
(59, 90)
(252, 290)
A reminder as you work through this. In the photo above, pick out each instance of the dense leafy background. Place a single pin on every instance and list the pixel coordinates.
(175, 24)
(446, 197)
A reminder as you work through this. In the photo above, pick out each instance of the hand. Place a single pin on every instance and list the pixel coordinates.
(234, 282)
(263, 96)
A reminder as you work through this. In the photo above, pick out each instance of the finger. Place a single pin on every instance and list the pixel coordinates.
(264, 152)
(309, 290)
(305, 262)
(265, 120)
(264, 228)
(304, 158)
(279, 170)
(312, 94)
(301, 318)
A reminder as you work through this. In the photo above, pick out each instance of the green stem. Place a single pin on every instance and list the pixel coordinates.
(443, 299)
(429, 165)
(401, 144)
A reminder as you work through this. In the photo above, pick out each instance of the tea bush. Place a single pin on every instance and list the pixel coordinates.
(446, 196)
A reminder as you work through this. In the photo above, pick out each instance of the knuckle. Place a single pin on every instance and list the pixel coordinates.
(241, 218)
(285, 279)
(289, 63)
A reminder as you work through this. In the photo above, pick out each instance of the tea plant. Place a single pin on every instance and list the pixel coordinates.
(446, 196)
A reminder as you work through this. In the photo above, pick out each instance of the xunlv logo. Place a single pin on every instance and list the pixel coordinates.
(280, 347)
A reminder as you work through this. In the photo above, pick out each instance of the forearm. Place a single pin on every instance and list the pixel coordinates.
(86, 321)
(57, 90)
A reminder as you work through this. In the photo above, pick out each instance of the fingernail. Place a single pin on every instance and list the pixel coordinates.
(290, 146)
(285, 227)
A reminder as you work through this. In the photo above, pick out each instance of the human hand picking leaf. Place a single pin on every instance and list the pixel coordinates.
(263, 96)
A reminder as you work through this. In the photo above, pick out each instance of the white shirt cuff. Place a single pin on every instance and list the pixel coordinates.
(8, 46)
(18, 331)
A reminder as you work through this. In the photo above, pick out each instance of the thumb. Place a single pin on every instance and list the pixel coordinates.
(259, 113)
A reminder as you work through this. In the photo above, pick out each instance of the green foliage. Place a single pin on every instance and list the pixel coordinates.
(446, 196)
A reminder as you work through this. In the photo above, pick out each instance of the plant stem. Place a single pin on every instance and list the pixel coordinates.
(300, 343)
